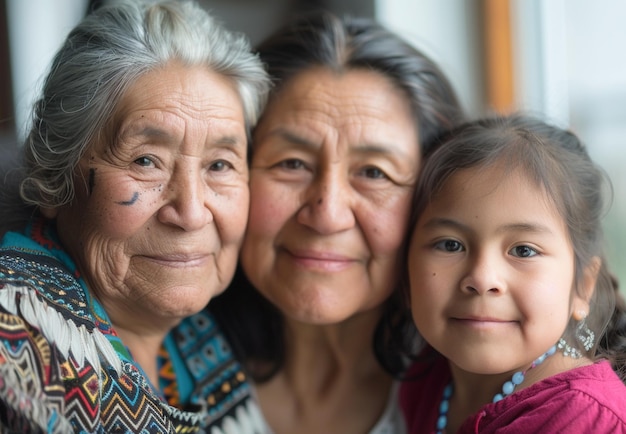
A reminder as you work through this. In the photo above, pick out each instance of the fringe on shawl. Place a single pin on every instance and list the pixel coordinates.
(82, 344)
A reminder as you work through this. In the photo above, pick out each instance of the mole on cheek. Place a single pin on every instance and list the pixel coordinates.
(131, 201)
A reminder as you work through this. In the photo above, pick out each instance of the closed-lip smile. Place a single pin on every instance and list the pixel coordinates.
(180, 259)
(320, 260)
(481, 321)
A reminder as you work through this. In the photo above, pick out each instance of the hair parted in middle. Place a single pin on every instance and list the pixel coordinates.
(323, 40)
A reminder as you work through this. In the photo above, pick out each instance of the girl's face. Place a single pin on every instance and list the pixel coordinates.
(491, 271)
(334, 165)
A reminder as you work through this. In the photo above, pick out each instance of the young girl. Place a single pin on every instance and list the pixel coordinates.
(509, 283)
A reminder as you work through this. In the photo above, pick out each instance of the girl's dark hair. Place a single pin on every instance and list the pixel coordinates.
(612, 344)
(555, 160)
(321, 39)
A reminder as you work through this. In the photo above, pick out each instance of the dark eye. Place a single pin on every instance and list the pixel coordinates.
(373, 172)
(449, 246)
(220, 166)
(523, 251)
(292, 164)
(144, 161)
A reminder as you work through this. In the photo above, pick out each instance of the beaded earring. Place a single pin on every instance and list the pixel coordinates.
(568, 351)
(583, 334)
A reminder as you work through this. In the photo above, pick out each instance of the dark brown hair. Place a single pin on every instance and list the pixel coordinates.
(253, 325)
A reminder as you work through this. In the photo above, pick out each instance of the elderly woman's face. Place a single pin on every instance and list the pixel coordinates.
(161, 208)
(334, 165)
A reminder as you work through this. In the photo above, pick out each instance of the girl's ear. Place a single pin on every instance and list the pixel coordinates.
(585, 291)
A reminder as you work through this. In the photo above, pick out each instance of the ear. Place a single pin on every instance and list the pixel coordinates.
(580, 304)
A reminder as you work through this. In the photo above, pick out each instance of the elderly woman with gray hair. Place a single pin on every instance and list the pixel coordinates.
(137, 180)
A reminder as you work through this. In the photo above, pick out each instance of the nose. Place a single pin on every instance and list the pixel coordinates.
(484, 275)
(327, 204)
(186, 204)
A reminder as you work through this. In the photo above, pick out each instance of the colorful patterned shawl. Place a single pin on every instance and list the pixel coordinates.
(63, 368)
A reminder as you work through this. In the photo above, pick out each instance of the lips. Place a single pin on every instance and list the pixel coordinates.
(322, 260)
(482, 322)
(480, 318)
(180, 259)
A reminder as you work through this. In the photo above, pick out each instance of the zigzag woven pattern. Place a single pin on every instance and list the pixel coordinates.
(60, 373)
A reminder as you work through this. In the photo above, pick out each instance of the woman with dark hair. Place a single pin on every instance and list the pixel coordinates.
(315, 312)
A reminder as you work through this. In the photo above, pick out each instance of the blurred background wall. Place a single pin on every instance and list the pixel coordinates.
(563, 59)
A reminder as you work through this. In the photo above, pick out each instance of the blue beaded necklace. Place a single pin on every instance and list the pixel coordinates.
(507, 388)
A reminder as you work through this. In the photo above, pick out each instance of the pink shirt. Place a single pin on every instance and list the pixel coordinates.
(590, 399)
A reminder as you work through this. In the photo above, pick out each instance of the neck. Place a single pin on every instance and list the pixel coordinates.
(473, 391)
(335, 350)
(330, 381)
(142, 335)
(144, 348)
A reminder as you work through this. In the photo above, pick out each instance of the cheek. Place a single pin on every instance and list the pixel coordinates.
(427, 299)
(417, 284)
(425, 278)
(386, 226)
(542, 300)
(425, 284)
(111, 207)
(271, 206)
(269, 213)
(98, 219)
(122, 210)
(231, 214)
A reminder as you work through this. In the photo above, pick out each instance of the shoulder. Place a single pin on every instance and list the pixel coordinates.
(47, 363)
(201, 336)
(599, 381)
(36, 273)
(424, 379)
(31, 380)
(421, 392)
(219, 381)
(392, 421)
(37, 291)
(594, 386)
(587, 399)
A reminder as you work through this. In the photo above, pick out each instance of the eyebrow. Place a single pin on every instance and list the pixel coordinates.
(150, 132)
(305, 144)
(157, 133)
(513, 227)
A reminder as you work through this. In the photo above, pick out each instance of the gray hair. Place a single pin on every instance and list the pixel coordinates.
(101, 58)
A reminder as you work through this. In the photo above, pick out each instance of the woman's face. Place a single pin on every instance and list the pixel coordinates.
(161, 207)
(334, 164)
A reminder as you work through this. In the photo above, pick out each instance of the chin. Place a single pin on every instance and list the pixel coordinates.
(187, 300)
(319, 317)
(484, 366)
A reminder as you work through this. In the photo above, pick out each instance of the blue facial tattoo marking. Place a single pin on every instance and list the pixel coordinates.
(131, 201)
